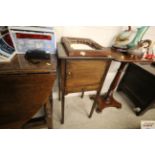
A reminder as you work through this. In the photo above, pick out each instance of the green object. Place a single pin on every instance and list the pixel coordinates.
(139, 35)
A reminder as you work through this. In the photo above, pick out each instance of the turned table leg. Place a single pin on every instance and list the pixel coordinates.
(95, 97)
(107, 99)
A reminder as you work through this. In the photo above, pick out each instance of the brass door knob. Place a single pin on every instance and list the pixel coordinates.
(69, 74)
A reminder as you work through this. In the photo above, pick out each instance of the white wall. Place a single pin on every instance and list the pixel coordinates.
(150, 34)
(101, 34)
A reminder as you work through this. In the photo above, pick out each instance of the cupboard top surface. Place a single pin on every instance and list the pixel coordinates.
(83, 47)
(63, 55)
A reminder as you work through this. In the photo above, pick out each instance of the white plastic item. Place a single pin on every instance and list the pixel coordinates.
(32, 38)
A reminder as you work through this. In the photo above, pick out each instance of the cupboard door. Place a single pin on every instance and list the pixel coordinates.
(84, 74)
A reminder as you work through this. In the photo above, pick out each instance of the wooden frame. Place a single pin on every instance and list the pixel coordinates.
(97, 50)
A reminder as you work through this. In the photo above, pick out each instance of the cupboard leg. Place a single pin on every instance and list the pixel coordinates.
(59, 94)
(82, 95)
(92, 109)
(62, 108)
(59, 80)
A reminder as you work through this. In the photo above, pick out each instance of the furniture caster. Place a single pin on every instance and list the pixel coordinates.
(137, 111)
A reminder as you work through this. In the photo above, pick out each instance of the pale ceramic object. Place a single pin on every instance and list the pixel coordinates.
(81, 47)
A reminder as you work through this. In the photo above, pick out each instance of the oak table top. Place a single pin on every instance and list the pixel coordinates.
(19, 65)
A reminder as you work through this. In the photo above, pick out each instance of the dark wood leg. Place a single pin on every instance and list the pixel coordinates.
(107, 99)
(62, 108)
(59, 79)
(95, 97)
(95, 102)
(59, 91)
(63, 82)
(92, 109)
(49, 112)
(82, 95)
(43, 121)
(59, 95)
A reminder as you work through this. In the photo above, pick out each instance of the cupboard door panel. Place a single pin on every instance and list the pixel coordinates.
(84, 74)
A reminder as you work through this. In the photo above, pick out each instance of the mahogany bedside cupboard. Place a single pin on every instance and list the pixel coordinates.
(80, 74)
